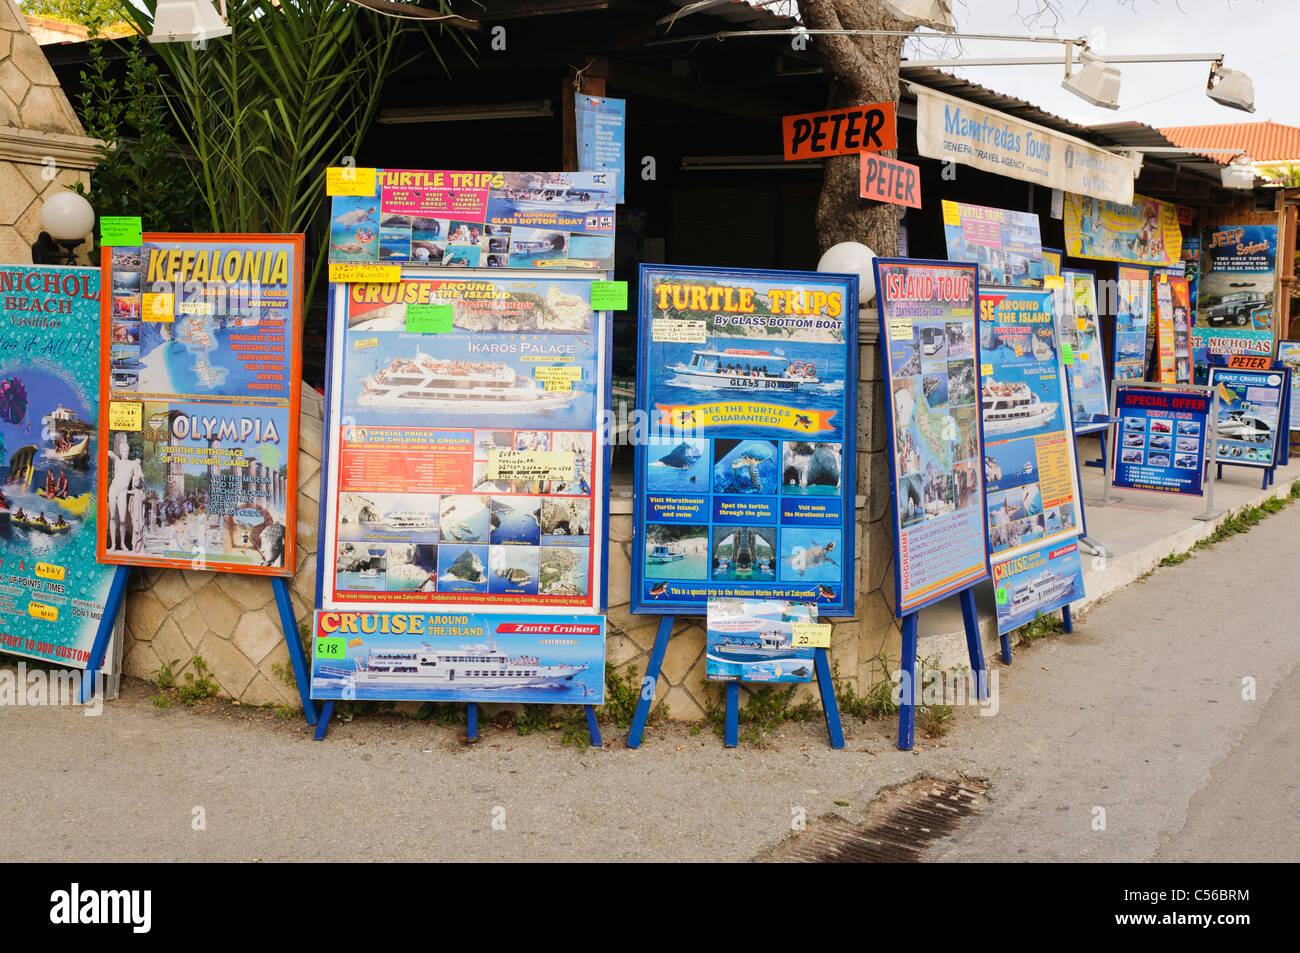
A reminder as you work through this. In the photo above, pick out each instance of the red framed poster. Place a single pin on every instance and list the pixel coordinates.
(199, 399)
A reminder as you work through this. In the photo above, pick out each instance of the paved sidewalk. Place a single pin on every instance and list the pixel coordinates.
(1140, 712)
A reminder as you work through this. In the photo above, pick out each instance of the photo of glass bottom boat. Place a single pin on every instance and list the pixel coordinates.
(458, 386)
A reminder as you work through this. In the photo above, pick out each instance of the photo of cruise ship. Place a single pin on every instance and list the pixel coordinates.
(1042, 590)
(754, 641)
(458, 386)
(743, 369)
(1010, 407)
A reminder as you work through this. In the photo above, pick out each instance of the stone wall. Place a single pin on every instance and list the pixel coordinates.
(43, 147)
(230, 620)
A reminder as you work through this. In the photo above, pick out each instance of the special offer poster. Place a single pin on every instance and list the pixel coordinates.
(1031, 487)
(745, 481)
(1162, 440)
(466, 458)
(53, 593)
(199, 397)
(929, 330)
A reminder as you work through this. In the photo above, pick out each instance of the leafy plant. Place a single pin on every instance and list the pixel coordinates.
(878, 702)
(767, 709)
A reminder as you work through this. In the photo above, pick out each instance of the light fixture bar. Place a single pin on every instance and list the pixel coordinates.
(935, 35)
(531, 109)
(1056, 61)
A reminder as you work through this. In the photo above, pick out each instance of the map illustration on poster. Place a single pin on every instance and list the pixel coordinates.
(1288, 355)
(1037, 582)
(1006, 245)
(1250, 405)
(54, 591)
(1235, 287)
(1143, 233)
(466, 465)
(753, 641)
(1162, 440)
(1031, 486)
(745, 481)
(1089, 398)
(458, 657)
(929, 330)
(199, 400)
(1133, 313)
(477, 219)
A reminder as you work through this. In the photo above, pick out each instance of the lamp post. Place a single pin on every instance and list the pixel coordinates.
(66, 219)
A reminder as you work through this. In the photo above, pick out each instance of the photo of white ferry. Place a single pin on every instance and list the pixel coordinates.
(458, 386)
(1010, 407)
(1043, 589)
(743, 369)
(482, 667)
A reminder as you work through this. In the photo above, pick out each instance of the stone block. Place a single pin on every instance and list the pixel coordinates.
(171, 588)
(170, 644)
(14, 85)
(217, 610)
(257, 632)
(46, 109)
(260, 691)
(141, 661)
(245, 591)
(682, 706)
(16, 195)
(682, 653)
(227, 664)
(144, 614)
(26, 54)
(620, 576)
(619, 650)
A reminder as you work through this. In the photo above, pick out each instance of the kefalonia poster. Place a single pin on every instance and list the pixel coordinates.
(466, 461)
(1145, 232)
(744, 478)
(53, 593)
(199, 394)
(929, 328)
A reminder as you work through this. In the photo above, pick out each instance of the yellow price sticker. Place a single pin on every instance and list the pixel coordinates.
(811, 635)
(159, 306)
(558, 385)
(1083, 356)
(1082, 324)
(357, 271)
(39, 610)
(365, 344)
(564, 372)
(951, 215)
(986, 369)
(125, 415)
(349, 180)
(1020, 350)
(900, 329)
(50, 571)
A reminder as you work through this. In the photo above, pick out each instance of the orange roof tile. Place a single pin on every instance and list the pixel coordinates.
(1262, 141)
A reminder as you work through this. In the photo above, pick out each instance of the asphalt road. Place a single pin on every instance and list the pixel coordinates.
(1139, 714)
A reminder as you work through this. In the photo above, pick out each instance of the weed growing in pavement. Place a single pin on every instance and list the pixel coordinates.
(196, 685)
(878, 702)
(933, 720)
(1041, 626)
(1238, 522)
(767, 710)
(284, 673)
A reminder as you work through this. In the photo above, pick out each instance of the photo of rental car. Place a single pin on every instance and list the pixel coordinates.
(1131, 456)
(1187, 461)
(1236, 308)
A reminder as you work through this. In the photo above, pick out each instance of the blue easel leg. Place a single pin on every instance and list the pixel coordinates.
(906, 711)
(289, 622)
(974, 646)
(1067, 619)
(822, 666)
(593, 729)
(471, 722)
(1006, 649)
(733, 714)
(326, 712)
(647, 695)
(99, 648)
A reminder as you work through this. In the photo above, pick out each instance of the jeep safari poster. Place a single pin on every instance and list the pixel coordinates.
(1235, 288)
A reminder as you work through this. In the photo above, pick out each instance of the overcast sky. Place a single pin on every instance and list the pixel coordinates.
(1261, 37)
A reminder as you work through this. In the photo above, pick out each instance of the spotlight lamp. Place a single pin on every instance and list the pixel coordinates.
(1096, 81)
(1234, 88)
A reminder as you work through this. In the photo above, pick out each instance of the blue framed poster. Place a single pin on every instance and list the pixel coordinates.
(1161, 444)
(458, 657)
(1235, 285)
(747, 388)
(466, 466)
(1031, 482)
(1214, 345)
(1081, 332)
(53, 601)
(1007, 246)
(1288, 355)
(1036, 582)
(754, 641)
(1132, 315)
(1250, 413)
(928, 333)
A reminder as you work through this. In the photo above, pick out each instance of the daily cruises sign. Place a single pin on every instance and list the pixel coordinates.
(960, 131)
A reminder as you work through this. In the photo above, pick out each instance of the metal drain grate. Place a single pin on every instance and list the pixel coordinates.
(900, 826)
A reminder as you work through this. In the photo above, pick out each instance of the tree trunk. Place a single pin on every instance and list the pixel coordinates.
(863, 69)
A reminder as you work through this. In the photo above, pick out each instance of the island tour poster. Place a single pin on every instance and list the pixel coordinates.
(936, 441)
(466, 465)
(199, 398)
(744, 483)
(54, 591)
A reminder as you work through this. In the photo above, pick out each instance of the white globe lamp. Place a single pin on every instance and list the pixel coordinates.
(67, 218)
(852, 258)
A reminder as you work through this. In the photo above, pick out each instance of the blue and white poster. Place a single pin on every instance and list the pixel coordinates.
(601, 121)
(1080, 332)
(1035, 583)
(754, 641)
(928, 330)
(1208, 344)
(1132, 316)
(1007, 246)
(54, 592)
(459, 657)
(1250, 406)
(745, 476)
(1031, 483)
(1162, 440)
(1288, 355)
